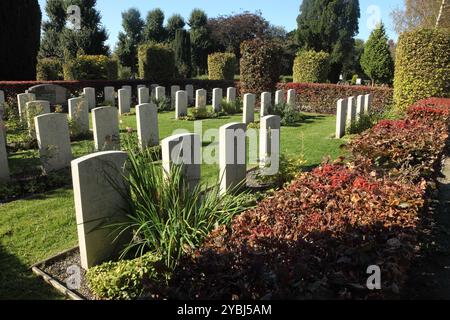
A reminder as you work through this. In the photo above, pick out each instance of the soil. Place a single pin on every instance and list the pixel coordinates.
(430, 275)
(59, 267)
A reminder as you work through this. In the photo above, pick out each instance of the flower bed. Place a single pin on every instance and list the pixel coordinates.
(317, 237)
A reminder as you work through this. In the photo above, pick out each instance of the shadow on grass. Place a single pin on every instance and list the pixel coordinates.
(17, 282)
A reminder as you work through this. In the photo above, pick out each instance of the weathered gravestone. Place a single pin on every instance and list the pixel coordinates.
(4, 169)
(249, 108)
(183, 150)
(34, 109)
(291, 97)
(232, 156)
(105, 121)
(143, 95)
(231, 94)
(200, 98)
(266, 103)
(124, 101)
(52, 93)
(190, 92)
(280, 97)
(90, 95)
(147, 125)
(341, 118)
(217, 99)
(160, 93)
(181, 104)
(22, 100)
(52, 132)
(99, 185)
(110, 99)
(269, 144)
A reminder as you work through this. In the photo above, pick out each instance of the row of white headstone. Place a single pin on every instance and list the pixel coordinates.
(98, 200)
(349, 110)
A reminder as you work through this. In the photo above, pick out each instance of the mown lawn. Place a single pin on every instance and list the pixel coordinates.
(39, 227)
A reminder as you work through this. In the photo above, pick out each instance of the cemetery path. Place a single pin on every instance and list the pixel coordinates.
(430, 277)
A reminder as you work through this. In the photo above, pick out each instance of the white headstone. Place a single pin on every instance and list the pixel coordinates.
(79, 114)
(183, 150)
(147, 125)
(217, 99)
(280, 97)
(232, 156)
(181, 104)
(153, 90)
(190, 92)
(4, 169)
(124, 101)
(249, 108)
(160, 93)
(22, 100)
(231, 94)
(341, 118)
(269, 144)
(367, 103)
(110, 98)
(266, 103)
(291, 97)
(359, 106)
(98, 186)
(105, 121)
(351, 111)
(129, 88)
(358, 81)
(173, 93)
(52, 132)
(34, 109)
(200, 98)
(89, 94)
(143, 95)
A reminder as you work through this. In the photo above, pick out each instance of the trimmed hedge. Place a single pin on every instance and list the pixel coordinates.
(156, 62)
(88, 67)
(316, 238)
(260, 66)
(221, 66)
(311, 66)
(322, 98)
(49, 69)
(422, 66)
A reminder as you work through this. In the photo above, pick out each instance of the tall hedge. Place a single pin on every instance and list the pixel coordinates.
(86, 67)
(422, 66)
(221, 66)
(156, 62)
(260, 66)
(182, 52)
(49, 69)
(311, 66)
(20, 33)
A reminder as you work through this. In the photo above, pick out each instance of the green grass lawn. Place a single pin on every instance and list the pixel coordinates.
(39, 227)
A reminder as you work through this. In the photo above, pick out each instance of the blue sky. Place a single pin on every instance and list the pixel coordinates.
(278, 12)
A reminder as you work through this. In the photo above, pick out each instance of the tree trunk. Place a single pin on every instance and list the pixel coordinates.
(441, 11)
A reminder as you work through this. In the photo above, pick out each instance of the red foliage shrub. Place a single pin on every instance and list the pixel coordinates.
(322, 98)
(431, 110)
(315, 239)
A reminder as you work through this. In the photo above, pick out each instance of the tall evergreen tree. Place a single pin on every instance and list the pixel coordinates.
(182, 49)
(52, 28)
(330, 26)
(20, 35)
(377, 60)
(174, 23)
(154, 30)
(129, 40)
(92, 36)
(200, 41)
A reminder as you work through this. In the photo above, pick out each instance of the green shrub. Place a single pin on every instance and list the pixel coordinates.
(202, 113)
(286, 79)
(354, 79)
(422, 66)
(362, 123)
(162, 104)
(49, 69)
(311, 66)
(123, 280)
(85, 67)
(288, 114)
(260, 66)
(233, 107)
(156, 62)
(221, 66)
(290, 167)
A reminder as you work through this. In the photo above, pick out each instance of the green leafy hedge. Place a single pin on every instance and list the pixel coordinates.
(49, 69)
(260, 66)
(422, 66)
(87, 67)
(311, 66)
(156, 62)
(221, 66)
